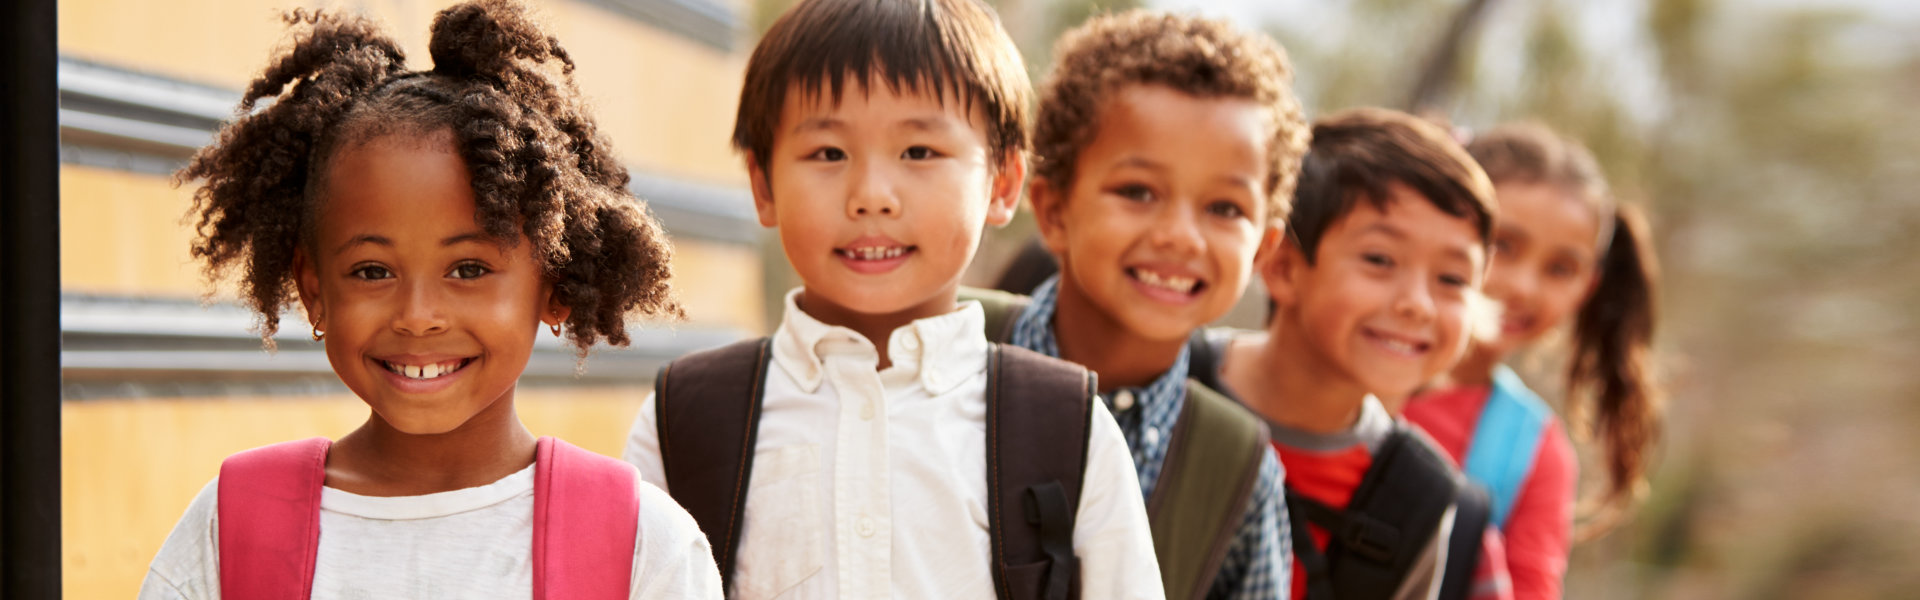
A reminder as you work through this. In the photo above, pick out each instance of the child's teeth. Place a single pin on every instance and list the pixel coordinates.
(878, 253)
(1170, 282)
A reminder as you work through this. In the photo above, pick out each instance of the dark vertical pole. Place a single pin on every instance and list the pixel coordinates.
(29, 302)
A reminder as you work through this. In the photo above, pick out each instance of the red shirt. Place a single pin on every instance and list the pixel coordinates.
(1539, 528)
(1329, 477)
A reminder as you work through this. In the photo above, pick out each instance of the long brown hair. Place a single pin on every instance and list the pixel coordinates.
(1610, 363)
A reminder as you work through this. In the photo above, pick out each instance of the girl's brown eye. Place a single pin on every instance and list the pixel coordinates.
(371, 272)
(469, 271)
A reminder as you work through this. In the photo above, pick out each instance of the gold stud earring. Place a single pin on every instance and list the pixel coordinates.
(556, 329)
(317, 333)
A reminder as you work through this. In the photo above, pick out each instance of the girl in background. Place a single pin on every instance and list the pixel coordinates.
(1565, 252)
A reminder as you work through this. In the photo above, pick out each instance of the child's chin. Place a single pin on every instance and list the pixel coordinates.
(423, 424)
(1159, 328)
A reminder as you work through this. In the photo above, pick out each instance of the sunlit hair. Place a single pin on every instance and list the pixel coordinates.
(1357, 154)
(1611, 365)
(541, 172)
(1198, 57)
(949, 50)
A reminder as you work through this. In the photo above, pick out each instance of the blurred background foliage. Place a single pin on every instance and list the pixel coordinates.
(1775, 143)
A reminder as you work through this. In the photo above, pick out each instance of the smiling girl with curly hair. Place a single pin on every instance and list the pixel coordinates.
(430, 223)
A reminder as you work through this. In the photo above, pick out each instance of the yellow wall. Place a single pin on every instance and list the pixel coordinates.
(666, 101)
(122, 233)
(132, 466)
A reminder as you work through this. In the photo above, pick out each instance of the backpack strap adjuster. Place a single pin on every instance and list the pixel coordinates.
(1369, 538)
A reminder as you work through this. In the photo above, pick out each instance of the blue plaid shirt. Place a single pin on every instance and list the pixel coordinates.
(1259, 562)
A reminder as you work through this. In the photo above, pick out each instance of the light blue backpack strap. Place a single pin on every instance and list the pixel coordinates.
(1506, 440)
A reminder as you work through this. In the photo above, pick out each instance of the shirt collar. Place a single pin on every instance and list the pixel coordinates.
(1157, 402)
(941, 351)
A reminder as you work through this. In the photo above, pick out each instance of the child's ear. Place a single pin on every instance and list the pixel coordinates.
(1281, 271)
(1271, 237)
(1007, 181)
(306, 283)
(1048, 205)
(556, 312)
(762, 191)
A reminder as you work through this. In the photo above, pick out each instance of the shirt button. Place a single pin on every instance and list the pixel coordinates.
(866, 411)
(864, 527)
(1122, 400)
(1153, 436)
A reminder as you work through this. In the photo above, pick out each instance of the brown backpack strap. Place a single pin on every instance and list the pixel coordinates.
(1201, 498)
(1039, 416)
(1002, 310)
(709, 418)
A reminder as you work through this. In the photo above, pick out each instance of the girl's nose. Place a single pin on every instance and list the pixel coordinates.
(420, 311)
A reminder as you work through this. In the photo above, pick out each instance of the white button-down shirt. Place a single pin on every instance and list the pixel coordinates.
(872, 484)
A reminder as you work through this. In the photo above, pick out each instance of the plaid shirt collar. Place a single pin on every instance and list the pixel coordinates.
(1146, 414)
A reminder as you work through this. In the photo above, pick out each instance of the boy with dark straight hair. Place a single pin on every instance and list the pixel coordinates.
(1375, 289)
(877, 445)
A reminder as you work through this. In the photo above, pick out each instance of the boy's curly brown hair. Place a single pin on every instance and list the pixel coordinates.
(1199, 57)
(541, 171)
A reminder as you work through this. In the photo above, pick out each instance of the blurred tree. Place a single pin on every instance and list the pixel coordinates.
(1776, 144)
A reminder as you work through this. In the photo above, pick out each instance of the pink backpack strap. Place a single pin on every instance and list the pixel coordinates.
(269, 520)
(586, 517)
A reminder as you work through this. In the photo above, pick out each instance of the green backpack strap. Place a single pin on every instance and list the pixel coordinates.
(1002, 309)
(1201, 498)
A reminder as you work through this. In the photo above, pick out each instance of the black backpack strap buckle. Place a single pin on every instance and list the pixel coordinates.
(1046, 508)
(1369, 538)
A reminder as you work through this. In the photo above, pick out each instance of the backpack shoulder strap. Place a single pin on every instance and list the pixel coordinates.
(1201, 498)
(1002, 310)
(1394, 512)
(1506, 440)
(586, 518)
(1039, 415)
(708, 405)
(1206, 350)
(269, 519)
(1470, 519)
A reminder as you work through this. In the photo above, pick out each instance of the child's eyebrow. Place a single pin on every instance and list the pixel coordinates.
(1386, 229)
(927, 124)
(818, 124)
(368, 238)
(363, 239)
(1139, 162)
(471, 236)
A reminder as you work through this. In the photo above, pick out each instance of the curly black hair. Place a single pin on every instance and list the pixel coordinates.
(1199, 57)
(540, 170)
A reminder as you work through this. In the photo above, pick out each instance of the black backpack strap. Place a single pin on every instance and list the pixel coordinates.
(1398, 506)
(1039, 416)
(1201, 498)
(1473, 510)
(1302, 511)
(1204, 355)
(1002, 310)
(708, 405)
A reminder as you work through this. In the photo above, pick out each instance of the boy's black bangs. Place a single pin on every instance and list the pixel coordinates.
(1347, 166)
(946, 49)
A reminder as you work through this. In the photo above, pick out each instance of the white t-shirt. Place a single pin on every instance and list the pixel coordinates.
(873, 484)
(468, 543)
